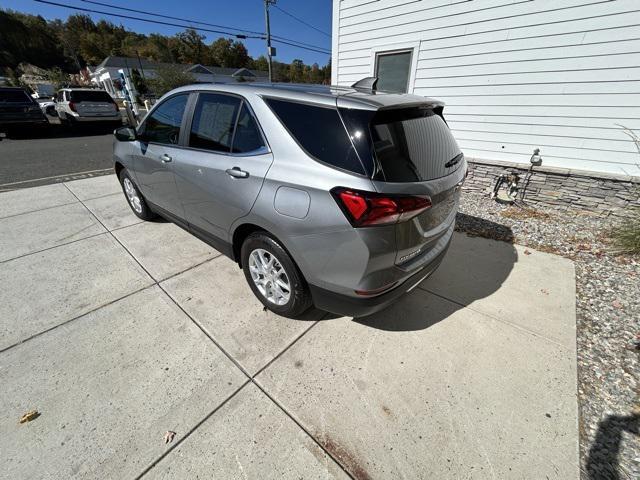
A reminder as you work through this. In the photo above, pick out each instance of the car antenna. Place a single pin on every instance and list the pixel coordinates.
(367, 83)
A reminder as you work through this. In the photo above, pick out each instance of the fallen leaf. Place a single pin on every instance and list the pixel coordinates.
(168, 437)
(30, 415)
(527, 252)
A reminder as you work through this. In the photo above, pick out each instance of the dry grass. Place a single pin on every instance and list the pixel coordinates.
(524, 213)
(626, 237)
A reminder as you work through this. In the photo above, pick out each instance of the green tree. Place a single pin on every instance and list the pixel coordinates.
(58, 78)
(139, 83)
(169, 77)
(225, 52)
(261, 63)
(315, 74)
(296, 71)
(191, 48)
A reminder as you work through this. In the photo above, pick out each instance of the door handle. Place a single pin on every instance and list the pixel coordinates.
(235, 172)
(165, 158)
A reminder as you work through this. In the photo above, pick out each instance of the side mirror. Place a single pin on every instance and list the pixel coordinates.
(125, 134)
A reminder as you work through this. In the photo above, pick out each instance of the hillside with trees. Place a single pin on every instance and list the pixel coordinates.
(78, 41)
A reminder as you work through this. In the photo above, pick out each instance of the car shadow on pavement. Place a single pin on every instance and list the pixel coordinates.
(602, 461)
(475, 267)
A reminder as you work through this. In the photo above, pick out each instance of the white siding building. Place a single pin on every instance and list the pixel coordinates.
(559, 75)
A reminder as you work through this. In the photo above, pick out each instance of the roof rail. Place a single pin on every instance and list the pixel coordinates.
(367, 83)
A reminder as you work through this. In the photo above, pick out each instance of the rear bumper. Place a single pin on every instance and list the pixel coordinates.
(89, 119)
(362, 306)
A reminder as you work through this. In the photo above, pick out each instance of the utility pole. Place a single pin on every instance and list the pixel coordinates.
(270, 49)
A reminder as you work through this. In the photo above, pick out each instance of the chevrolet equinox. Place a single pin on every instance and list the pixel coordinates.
(342, 198)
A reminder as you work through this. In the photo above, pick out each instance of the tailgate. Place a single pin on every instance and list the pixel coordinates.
(424, 236)
(94, 109)
(416, 154)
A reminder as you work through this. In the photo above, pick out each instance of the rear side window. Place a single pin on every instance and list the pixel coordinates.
(163, 125)
(320, 132)
(80, 96)
(213, 121)
(14, 96)
(247, 137)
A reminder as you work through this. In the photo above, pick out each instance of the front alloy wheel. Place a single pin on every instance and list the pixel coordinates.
(134, 197)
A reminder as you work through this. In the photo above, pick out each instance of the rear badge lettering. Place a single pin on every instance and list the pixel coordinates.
(409, 255)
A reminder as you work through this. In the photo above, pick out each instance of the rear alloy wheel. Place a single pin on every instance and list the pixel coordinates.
(134, 197)
(273, 276)
(269, 276)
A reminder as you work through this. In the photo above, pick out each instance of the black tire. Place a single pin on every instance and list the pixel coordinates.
(143, 212)
(300, 297)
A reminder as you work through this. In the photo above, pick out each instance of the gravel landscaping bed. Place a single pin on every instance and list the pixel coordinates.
(608, 322)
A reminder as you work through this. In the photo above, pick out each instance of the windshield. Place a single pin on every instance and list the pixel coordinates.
(90, 96)
(14, 96)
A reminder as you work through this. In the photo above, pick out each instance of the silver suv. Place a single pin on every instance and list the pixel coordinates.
(86, 105)
(342, 198)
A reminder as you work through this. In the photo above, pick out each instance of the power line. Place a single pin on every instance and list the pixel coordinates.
(200, 23)
(159, 22)
(169, 17)
(90, 10)
(275, 40)
(302, 21)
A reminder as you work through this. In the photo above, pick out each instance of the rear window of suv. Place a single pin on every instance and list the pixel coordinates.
(14, 96)
(320, 133)
(79, 96)
(404, 144)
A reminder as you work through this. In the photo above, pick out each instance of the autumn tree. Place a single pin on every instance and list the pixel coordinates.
(225, 52)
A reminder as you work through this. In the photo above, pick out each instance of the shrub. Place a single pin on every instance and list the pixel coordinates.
(626, 237)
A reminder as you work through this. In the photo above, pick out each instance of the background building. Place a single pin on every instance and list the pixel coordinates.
(106, 73)
(560, 76)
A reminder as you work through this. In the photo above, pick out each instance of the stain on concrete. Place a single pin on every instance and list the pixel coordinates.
(346, 458)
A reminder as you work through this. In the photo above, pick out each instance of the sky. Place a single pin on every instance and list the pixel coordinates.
(245, 14)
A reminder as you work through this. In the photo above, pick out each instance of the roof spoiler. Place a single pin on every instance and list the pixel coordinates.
(367, 83)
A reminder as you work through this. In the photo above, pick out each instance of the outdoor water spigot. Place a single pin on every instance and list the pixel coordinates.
(536, 158)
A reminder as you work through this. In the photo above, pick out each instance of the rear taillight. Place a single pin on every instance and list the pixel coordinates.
(367, 208)
(72, 106)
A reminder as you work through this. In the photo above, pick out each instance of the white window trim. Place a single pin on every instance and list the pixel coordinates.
(413, 47)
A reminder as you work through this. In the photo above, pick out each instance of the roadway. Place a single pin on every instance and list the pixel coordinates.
(56, 155)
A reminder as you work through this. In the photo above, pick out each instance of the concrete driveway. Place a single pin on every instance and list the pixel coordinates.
(118, 331)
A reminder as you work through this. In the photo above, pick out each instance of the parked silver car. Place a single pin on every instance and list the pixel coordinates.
(340, 197)
(85, 105)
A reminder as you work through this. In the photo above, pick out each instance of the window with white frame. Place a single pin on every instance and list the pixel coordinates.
(393, 70)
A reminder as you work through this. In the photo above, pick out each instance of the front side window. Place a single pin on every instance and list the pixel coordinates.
(163, 125)
(320, 132)
(213, 122)
(392, 70)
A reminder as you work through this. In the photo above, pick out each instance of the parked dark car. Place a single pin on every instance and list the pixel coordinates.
(18, 111)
